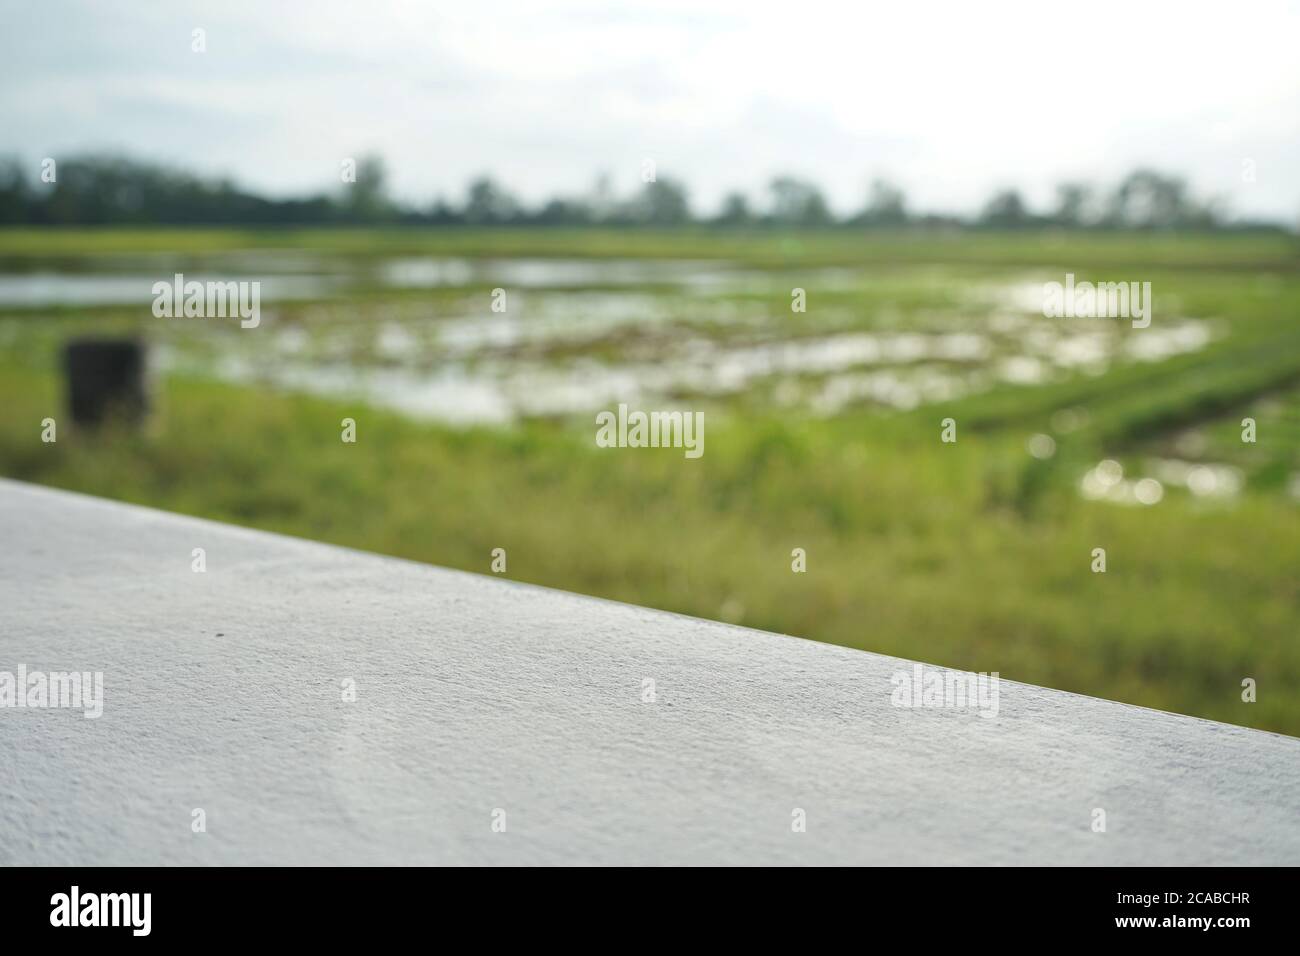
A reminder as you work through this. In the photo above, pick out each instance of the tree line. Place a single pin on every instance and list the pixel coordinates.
(110, 190)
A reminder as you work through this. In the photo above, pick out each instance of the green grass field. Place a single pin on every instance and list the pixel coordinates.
(974, 554)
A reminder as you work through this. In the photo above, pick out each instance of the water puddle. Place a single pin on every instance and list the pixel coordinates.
(42, 289)
(294, 277)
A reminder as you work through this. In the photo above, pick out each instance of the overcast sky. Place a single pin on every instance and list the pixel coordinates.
(949, 100)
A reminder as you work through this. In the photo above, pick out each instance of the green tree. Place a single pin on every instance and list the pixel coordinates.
(663, 202)
(1006, 210)
(735, 211)
(366, 200)
(488, 203)
(797, 202)
(886, 206)
(1074, 204)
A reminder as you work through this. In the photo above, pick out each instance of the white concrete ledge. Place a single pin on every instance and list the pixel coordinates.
(222, 692)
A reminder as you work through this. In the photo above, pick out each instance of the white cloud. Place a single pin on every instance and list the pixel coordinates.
(950, 99)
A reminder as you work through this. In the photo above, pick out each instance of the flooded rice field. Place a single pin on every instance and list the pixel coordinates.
(498, 340)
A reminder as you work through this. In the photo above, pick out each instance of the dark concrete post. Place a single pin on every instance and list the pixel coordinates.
(105, 378)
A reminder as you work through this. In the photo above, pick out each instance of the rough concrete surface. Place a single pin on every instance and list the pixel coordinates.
(222, 691)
